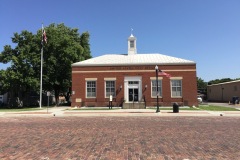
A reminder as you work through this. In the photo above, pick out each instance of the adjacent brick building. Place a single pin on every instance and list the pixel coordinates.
(131, 80)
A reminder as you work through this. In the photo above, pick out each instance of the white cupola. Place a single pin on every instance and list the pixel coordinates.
(132, 45)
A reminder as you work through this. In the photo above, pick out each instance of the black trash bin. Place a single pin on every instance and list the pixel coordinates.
(235, 100)
(175, 107)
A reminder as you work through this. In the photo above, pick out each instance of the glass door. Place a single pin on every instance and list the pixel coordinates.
(133, 94)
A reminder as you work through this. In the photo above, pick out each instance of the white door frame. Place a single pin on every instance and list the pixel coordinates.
(127, 86)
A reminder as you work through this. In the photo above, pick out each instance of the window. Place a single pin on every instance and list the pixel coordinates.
(154, 88)
(176, 86)
(110, 88)
(91, 89)
(131, 44)
(133, 82)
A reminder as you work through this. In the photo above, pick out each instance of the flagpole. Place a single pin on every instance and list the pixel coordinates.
(40, 103)
(44, 39)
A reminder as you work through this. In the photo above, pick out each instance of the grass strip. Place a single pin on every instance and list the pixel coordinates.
(20, 109)
(216, 108)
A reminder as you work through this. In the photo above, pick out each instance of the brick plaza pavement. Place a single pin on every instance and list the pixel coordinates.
(73, 138)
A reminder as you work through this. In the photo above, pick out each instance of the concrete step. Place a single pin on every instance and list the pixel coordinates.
(135, 105)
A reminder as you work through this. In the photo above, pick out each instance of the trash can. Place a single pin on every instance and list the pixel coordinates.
(235, 100)
(175, 107)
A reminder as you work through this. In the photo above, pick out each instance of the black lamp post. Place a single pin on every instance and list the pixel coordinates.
(156, 68)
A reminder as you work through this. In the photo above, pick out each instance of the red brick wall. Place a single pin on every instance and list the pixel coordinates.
(187, 72)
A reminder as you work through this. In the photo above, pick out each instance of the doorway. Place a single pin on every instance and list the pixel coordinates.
(133, 95)
(132, 89)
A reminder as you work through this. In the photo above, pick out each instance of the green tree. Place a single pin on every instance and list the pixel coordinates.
(201, 85)
(86, 46)
(216, 81)
(22, 75)
(64, 47)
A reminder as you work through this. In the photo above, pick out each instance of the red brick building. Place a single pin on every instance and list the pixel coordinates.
(131, 80)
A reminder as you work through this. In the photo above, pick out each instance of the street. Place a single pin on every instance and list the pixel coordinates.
(107, 137)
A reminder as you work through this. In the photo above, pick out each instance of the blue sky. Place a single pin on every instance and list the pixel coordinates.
(205, 31)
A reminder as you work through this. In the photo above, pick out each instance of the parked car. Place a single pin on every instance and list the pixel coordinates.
(199, 98)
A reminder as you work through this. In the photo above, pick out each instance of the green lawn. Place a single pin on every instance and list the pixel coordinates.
(216, 108)
(19, 110)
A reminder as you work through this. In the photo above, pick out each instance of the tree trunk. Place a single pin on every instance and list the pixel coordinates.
(57, 96)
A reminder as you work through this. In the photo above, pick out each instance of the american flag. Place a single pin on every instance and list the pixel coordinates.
(161, 73)
(44, 35)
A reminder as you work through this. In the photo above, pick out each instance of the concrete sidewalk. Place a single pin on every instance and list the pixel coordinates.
(68, 111)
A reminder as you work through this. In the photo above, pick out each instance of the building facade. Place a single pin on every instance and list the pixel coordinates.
(223, 92)
(130, 79)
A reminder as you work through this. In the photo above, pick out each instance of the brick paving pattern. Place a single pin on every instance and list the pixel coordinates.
(133, 138)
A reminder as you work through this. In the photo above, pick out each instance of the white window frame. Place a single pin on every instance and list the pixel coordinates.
(159, 88)
(105, 88)
(181, 92)
(91, 80)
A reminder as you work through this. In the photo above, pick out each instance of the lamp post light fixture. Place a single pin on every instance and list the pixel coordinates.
(156, 68)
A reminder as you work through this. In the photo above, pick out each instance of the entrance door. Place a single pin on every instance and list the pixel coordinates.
(133, 94)
(132, 89)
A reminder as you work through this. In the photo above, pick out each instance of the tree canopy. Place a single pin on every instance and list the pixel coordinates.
(64, 47)
(201, 85)
(216, 81)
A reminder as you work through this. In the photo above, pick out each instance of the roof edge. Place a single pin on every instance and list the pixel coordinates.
(132, 64)
(235, 81)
